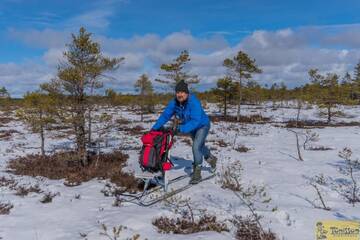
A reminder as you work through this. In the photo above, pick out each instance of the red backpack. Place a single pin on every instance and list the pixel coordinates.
(154, 153)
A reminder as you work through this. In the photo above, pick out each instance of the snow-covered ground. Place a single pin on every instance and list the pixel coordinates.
(270, 162)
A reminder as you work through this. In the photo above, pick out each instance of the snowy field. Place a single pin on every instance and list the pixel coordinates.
(270, 162)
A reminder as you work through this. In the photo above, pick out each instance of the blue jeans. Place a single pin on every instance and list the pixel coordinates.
(199, 149)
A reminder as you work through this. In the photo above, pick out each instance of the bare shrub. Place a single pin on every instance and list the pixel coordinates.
(6, 120)
(189, 219)
(122, 121)
(297, 144)
(230, 178)
(248, 229)
(5, 208)
(337, 113)
(349, 189)
(116, 233)
(316, 182)
(133, 131)
(25, 190)
(187, 141)
(221, 143)
(7, 134)
(250, 131)
(7, 182)
(48, 197)
(186, 226)
(242, 149)
(319, 148)
(310, 137)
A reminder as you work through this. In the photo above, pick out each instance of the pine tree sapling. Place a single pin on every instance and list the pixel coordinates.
(350, 191)
(39, 113)
(224, 91)
(241, 67)
(78, 76)
(175, 71)
(327, 90)
(144, 86)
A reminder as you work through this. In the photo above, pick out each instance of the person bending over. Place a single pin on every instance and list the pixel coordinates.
(194, 121)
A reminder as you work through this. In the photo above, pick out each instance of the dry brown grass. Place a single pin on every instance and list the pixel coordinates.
(187, 141)
(318, 124)
(242, 149)
(6, 120)
(21, 190)
(256, 118)
(7, 134)
(5, 208)
(221, 143)
(319, 148)
(133, 131)
(187, 226)
(25, 190)
(66, 165)
(122, 121)
(248, 229)
(7, 182)
(48, 197)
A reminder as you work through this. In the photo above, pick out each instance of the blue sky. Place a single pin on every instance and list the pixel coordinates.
(281, 35)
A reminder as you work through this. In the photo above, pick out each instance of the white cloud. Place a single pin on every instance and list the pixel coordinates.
(53, 57)
(47, 38)
(95, 19)
(287, 55)
(284, 55)
(20, 78)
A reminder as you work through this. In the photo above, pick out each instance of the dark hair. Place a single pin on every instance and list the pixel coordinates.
(182, 87)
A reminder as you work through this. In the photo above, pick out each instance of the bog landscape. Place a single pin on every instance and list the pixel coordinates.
(74, 149)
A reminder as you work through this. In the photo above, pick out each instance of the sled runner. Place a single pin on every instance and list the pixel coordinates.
(155, 195)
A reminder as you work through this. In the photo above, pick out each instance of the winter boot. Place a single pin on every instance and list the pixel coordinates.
(196, 175)
(212, 162)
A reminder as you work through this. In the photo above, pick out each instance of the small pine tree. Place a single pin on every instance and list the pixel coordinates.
(111, 96)
(4, 94)
(110, 93)
(144, 86)
(38, 113)
(224, 92)
(327, 90)
(4, 98)
(78, 76)
(175, 72)
(241, 68)
(355, 84)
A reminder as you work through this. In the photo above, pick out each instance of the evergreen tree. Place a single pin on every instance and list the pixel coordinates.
(4, 94)
(175, 71)
(355, 86)
(327, 89)
(111, 95)
(77, 79)
(38, 112)
(144, 86)
(241, 68)
(224, 92)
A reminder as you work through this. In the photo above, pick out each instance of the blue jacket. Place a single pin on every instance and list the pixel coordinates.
(191, 114)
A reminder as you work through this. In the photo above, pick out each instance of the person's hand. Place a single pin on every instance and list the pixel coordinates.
(176, 129)
(177, 122)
